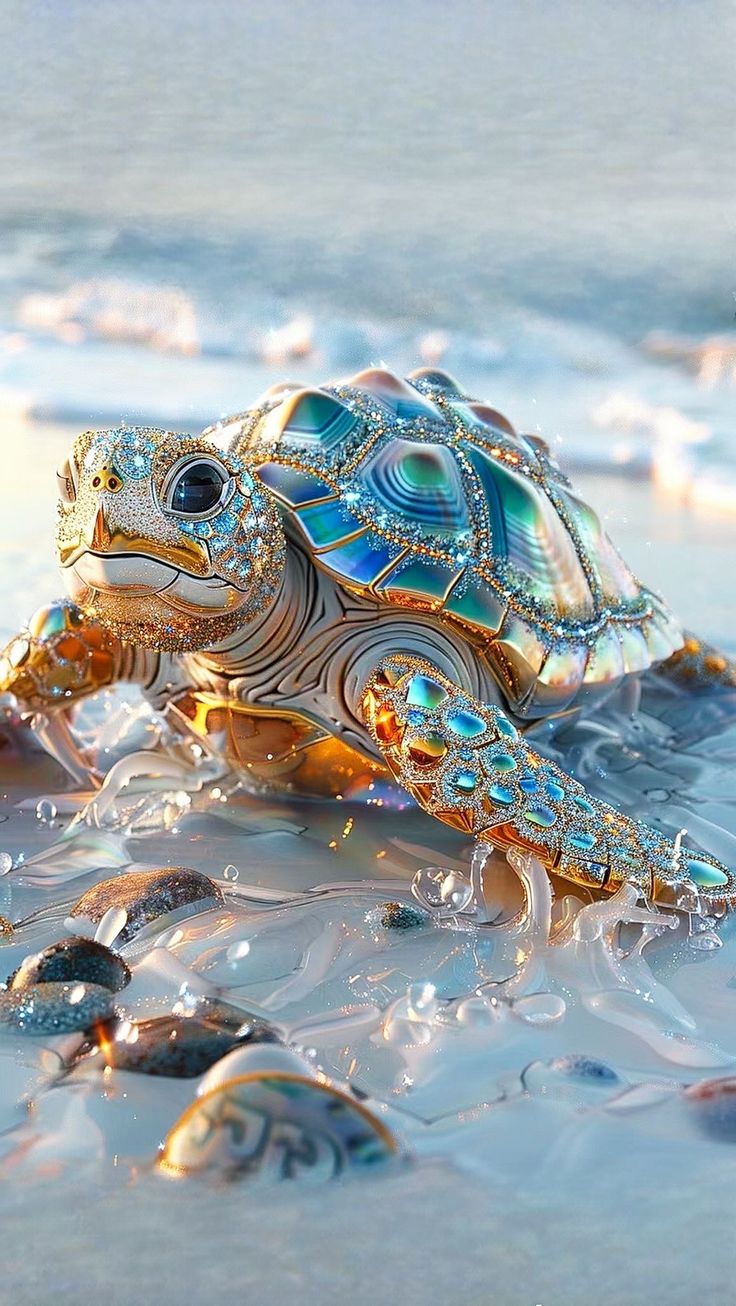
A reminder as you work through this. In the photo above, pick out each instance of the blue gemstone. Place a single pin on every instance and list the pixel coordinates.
(704, 874)
(424, 692)
(416, 717)
(500, 794)
(466, 781)
(504, 727)
(554, 791)
(581, 840)
(541, 815)
(528, 785)
(583, 804)
(466, 724)
(225, 522)
(502, 762)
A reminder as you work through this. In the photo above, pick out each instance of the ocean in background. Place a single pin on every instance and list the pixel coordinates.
(197, 199)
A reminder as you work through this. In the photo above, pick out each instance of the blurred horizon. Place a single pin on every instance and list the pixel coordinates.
(393, 160)
(200, 200)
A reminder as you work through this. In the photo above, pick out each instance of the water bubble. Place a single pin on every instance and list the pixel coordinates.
(6, 863)
(442, 890)
(46, 811)
(231, 873)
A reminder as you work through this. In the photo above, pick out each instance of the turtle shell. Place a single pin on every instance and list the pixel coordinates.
(415, 494)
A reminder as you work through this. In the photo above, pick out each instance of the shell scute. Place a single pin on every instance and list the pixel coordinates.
(415, 493)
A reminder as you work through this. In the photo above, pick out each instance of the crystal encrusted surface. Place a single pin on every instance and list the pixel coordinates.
(467, 764)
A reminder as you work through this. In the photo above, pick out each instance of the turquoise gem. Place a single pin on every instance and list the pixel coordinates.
(466, 724)
(554, 791)
(541, 815)
(501, 794)
(583, 804)
(504, 727)
(528, 785)
(424, 692)
(466, 781)
(707, 876)
(54, 623)
(502, 762)
(582, 841)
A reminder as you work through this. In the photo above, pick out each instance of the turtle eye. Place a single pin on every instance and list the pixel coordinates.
(197, 488)
(65, 484)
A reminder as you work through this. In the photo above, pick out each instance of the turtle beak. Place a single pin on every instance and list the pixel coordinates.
(97, 532)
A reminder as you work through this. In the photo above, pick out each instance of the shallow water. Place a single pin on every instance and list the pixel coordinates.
(537, 1092)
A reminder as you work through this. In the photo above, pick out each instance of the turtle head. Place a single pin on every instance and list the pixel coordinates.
(168, 542)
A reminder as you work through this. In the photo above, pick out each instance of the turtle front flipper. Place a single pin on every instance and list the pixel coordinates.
(466, 763)
(61, 657)
(698, 665)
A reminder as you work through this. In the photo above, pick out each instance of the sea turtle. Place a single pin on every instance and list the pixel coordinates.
(377, 578)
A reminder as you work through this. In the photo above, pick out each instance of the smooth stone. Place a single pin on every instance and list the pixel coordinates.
(73, 959)
(259, 1058)
(147, 895)
(423, 692)
(56, 1008)
(582, 1067)
(705, 875)
(714, 1101)
(401, 916)
(177, 1047)
(269, 1126)
(502, 762)
(528, 785)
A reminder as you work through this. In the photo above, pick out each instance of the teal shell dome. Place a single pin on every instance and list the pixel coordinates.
(413, 493)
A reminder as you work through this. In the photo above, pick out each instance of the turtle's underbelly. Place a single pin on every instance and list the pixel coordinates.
(279, 746)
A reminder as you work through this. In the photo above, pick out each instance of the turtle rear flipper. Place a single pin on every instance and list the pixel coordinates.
(466, 763)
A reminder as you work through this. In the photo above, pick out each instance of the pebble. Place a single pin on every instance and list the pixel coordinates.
(147, 895)
(72, 959)
(177, 1047)
(55, 1008)
(272, 1126)
(714, 1102)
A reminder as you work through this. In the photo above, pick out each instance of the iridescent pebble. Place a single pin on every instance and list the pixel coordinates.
(401, 916)
(272, 1126)
(72, 959)
(582, 1067)
(55, 1008)
(147, 895)
(178, 1047)
(714, 1104)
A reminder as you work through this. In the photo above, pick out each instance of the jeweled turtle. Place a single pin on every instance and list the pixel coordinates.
(379, 576)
